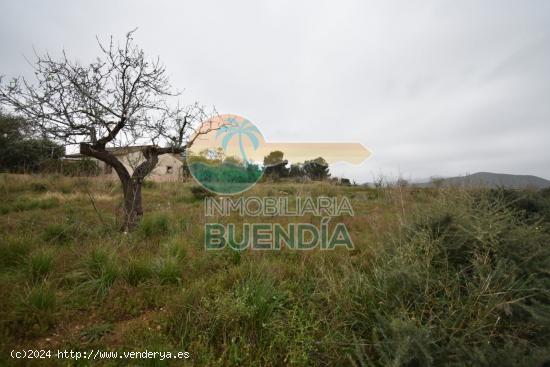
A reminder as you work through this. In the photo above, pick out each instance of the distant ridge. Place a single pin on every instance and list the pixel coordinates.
(488, 179)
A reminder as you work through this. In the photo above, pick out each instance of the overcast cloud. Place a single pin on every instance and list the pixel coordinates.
(431, 87)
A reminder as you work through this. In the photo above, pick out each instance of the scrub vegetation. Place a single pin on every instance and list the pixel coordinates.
(438, 276)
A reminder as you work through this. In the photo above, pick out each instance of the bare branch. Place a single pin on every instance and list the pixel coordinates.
(120, 99)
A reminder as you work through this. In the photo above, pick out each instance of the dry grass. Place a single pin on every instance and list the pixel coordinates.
(436, 277)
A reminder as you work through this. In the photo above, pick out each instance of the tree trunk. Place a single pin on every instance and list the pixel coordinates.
(133, 211)
(131, 184)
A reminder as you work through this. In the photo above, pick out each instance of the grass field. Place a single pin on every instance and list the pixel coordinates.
(437, 277)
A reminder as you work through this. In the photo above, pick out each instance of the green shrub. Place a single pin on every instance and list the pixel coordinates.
(13, 252)
(174, 248)
(531, 206)
(98, 271)
(467, 275)
(20, 150)
(244, 315)
(261, 298)
(96, 332)
(39, 187)
(79, 167)
(150, 185)
(41, 298)
(24, 204)
(137, 271)
(200, 192)
(58, 233)
(155, 225)
(36, 311)
(40, 264)
(168, 270)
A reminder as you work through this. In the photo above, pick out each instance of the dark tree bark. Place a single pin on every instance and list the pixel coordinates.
(133, 210)
(131, 186)
(119, 99)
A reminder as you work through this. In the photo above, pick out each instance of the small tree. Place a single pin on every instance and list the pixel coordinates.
(401, 182)
(297, 170)
(275, 165)
(317, 169)
(120, 99)
(273, 158)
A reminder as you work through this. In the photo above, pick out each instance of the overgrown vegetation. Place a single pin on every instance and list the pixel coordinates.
(21, 150)
(437, 277)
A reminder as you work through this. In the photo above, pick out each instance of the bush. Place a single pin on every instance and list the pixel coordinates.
(36, 310)
(40, 264)
(227, 176)
(148, 184)
(20, 151)
(58, 233)
(96, 332)
(174, 248)
(200, 192)
(155, 225)
(24, 204)
(261, 298)
(466, 278)
(74, 168)
(13, 252)
(98, 272)
(317, 169)
(244, 315)
(39, 187)
(137, 271)
(168, 270)
(533, 206)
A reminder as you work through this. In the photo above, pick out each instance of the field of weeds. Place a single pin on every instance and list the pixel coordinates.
(436, 277)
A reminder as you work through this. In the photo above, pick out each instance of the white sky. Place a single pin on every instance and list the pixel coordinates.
(431, 87)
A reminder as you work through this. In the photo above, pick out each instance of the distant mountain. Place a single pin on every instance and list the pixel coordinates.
(487, 179)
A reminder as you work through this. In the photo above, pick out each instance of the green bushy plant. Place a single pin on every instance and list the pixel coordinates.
(36, 310)
(98, 271)
(137, 271)
(58, 233)
(467, 275)
(13, 251)
(155, 225)
(40, 264)
(168, 270)
(200, 192)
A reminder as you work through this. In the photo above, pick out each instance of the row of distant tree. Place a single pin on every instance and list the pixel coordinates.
(276, 167)
(22, 151)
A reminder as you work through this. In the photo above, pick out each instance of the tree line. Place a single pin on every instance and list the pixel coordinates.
(276, 167)
(20, 150)
(23, 151)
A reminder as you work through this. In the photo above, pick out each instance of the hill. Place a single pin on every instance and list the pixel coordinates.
(488, 179)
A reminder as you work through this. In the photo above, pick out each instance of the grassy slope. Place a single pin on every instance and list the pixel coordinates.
(437, 277)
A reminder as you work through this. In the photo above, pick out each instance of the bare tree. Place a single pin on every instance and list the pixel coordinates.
(120, 99)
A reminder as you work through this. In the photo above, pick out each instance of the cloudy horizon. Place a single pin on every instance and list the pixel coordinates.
(434, 88)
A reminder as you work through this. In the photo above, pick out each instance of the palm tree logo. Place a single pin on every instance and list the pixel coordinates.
(240, 129)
